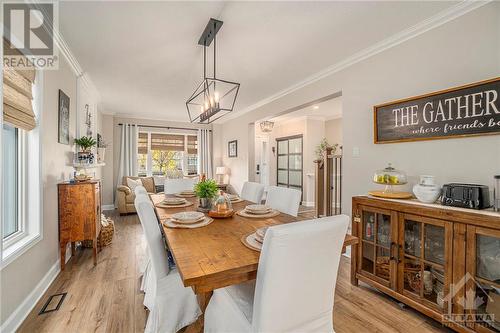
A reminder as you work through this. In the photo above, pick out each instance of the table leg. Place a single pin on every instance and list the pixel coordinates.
(197, 326)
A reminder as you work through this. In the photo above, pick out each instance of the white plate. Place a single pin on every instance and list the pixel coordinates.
(254, 212)
(260, 233)
(188, 216)
(258, 208)
(201, 219)
(187, 192)
(174, 201)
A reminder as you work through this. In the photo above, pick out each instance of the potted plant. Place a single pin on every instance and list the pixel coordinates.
(206, 190)
(85, 143)
(322, 147)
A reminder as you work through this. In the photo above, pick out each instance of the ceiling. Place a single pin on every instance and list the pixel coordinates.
(144, 59)
(327, 110)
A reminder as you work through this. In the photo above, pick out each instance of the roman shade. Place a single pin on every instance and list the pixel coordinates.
(17, 106)
(192, 144)
(167, 142)
(142, 144)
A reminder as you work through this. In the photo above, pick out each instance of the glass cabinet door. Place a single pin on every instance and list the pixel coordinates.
(425, 276)
(483, 278)
(377, 238)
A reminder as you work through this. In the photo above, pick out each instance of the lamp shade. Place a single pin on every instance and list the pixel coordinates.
(221, 170)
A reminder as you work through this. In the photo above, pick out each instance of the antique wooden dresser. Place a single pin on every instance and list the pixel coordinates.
(443, 261)
(79, 214)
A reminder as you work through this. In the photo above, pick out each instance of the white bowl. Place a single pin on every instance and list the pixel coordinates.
(427, 194)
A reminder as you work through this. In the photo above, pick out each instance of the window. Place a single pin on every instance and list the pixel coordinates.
(159, 153)
(10, 175)
(21, 186)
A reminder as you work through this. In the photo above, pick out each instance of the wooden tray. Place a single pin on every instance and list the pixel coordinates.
(249, 241)
(236, 201)
(273, 213)
(216, 215)
(169, 224)
(161, 205)
(391, 195)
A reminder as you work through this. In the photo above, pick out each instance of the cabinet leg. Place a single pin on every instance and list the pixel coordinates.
(63, 255)
(354, 262)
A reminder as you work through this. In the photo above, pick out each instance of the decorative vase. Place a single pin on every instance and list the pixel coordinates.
(205, 203)
(427, 191)
(101, 153)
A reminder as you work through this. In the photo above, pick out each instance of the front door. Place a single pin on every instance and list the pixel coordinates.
(289, 162)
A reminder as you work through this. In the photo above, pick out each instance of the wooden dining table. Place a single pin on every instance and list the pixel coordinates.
(213, 256)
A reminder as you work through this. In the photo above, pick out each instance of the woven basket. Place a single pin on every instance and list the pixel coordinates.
(105, 236)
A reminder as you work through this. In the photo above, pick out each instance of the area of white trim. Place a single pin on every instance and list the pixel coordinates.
(17, 249)
(108, 207)
(17, 317)
(428, 24)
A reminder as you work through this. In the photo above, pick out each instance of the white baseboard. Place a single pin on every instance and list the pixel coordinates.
(17, 317)
(308, 203)
(108, 207)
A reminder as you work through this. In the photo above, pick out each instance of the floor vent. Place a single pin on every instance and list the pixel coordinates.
(53, 303)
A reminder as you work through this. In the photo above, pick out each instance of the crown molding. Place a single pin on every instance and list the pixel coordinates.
(64, 49)
(428, 24)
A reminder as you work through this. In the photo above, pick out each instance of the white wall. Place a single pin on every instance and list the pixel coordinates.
(333, 131)
(28, 275)
(462, 51)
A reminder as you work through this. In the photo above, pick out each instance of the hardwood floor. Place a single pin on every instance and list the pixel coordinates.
(106, 298)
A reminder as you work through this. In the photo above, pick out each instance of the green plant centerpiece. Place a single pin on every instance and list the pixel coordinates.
(85, 143)
(206, 190)
(322, 147)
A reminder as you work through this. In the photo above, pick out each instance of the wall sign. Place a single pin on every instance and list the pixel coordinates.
(469, 110)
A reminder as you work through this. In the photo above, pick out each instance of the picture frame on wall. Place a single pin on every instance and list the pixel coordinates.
(232, 148)
(63, 111)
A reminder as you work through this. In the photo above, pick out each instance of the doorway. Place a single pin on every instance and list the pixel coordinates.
(290, 162)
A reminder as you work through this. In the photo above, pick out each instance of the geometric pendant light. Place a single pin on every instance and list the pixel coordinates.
(213, 98)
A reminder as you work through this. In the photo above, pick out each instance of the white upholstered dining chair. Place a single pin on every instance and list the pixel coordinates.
(295, 285)
(173, 186)
(252, 192)
(172, 306)
(146, 269)
(286, 200)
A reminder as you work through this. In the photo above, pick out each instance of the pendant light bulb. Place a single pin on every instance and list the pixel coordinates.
(216, 97)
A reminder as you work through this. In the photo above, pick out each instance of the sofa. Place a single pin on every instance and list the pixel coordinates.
(125, 196)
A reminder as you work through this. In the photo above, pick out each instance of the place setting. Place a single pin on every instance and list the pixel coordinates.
(186, 194)
(175, 202)
(234, 198)
(255, 239)
(187, 220)
(258, 212)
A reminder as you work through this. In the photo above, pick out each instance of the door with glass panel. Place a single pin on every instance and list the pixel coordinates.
(425, 268)
(377, 258)
(483, 279)
(290, 162)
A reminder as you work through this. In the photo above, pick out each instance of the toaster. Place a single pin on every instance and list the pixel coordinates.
(466, 196)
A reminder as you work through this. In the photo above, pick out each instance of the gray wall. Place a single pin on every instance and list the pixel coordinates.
(462, 51)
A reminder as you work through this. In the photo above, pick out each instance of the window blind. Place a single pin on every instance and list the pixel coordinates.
(192, 144)
(169, 142)
(142, 144)
(17, 106)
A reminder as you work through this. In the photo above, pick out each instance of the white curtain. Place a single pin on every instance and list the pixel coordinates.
(205, 153)
(128, 152)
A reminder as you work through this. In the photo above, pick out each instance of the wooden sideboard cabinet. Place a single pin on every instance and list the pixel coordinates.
(442, 261)
(79, 215)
